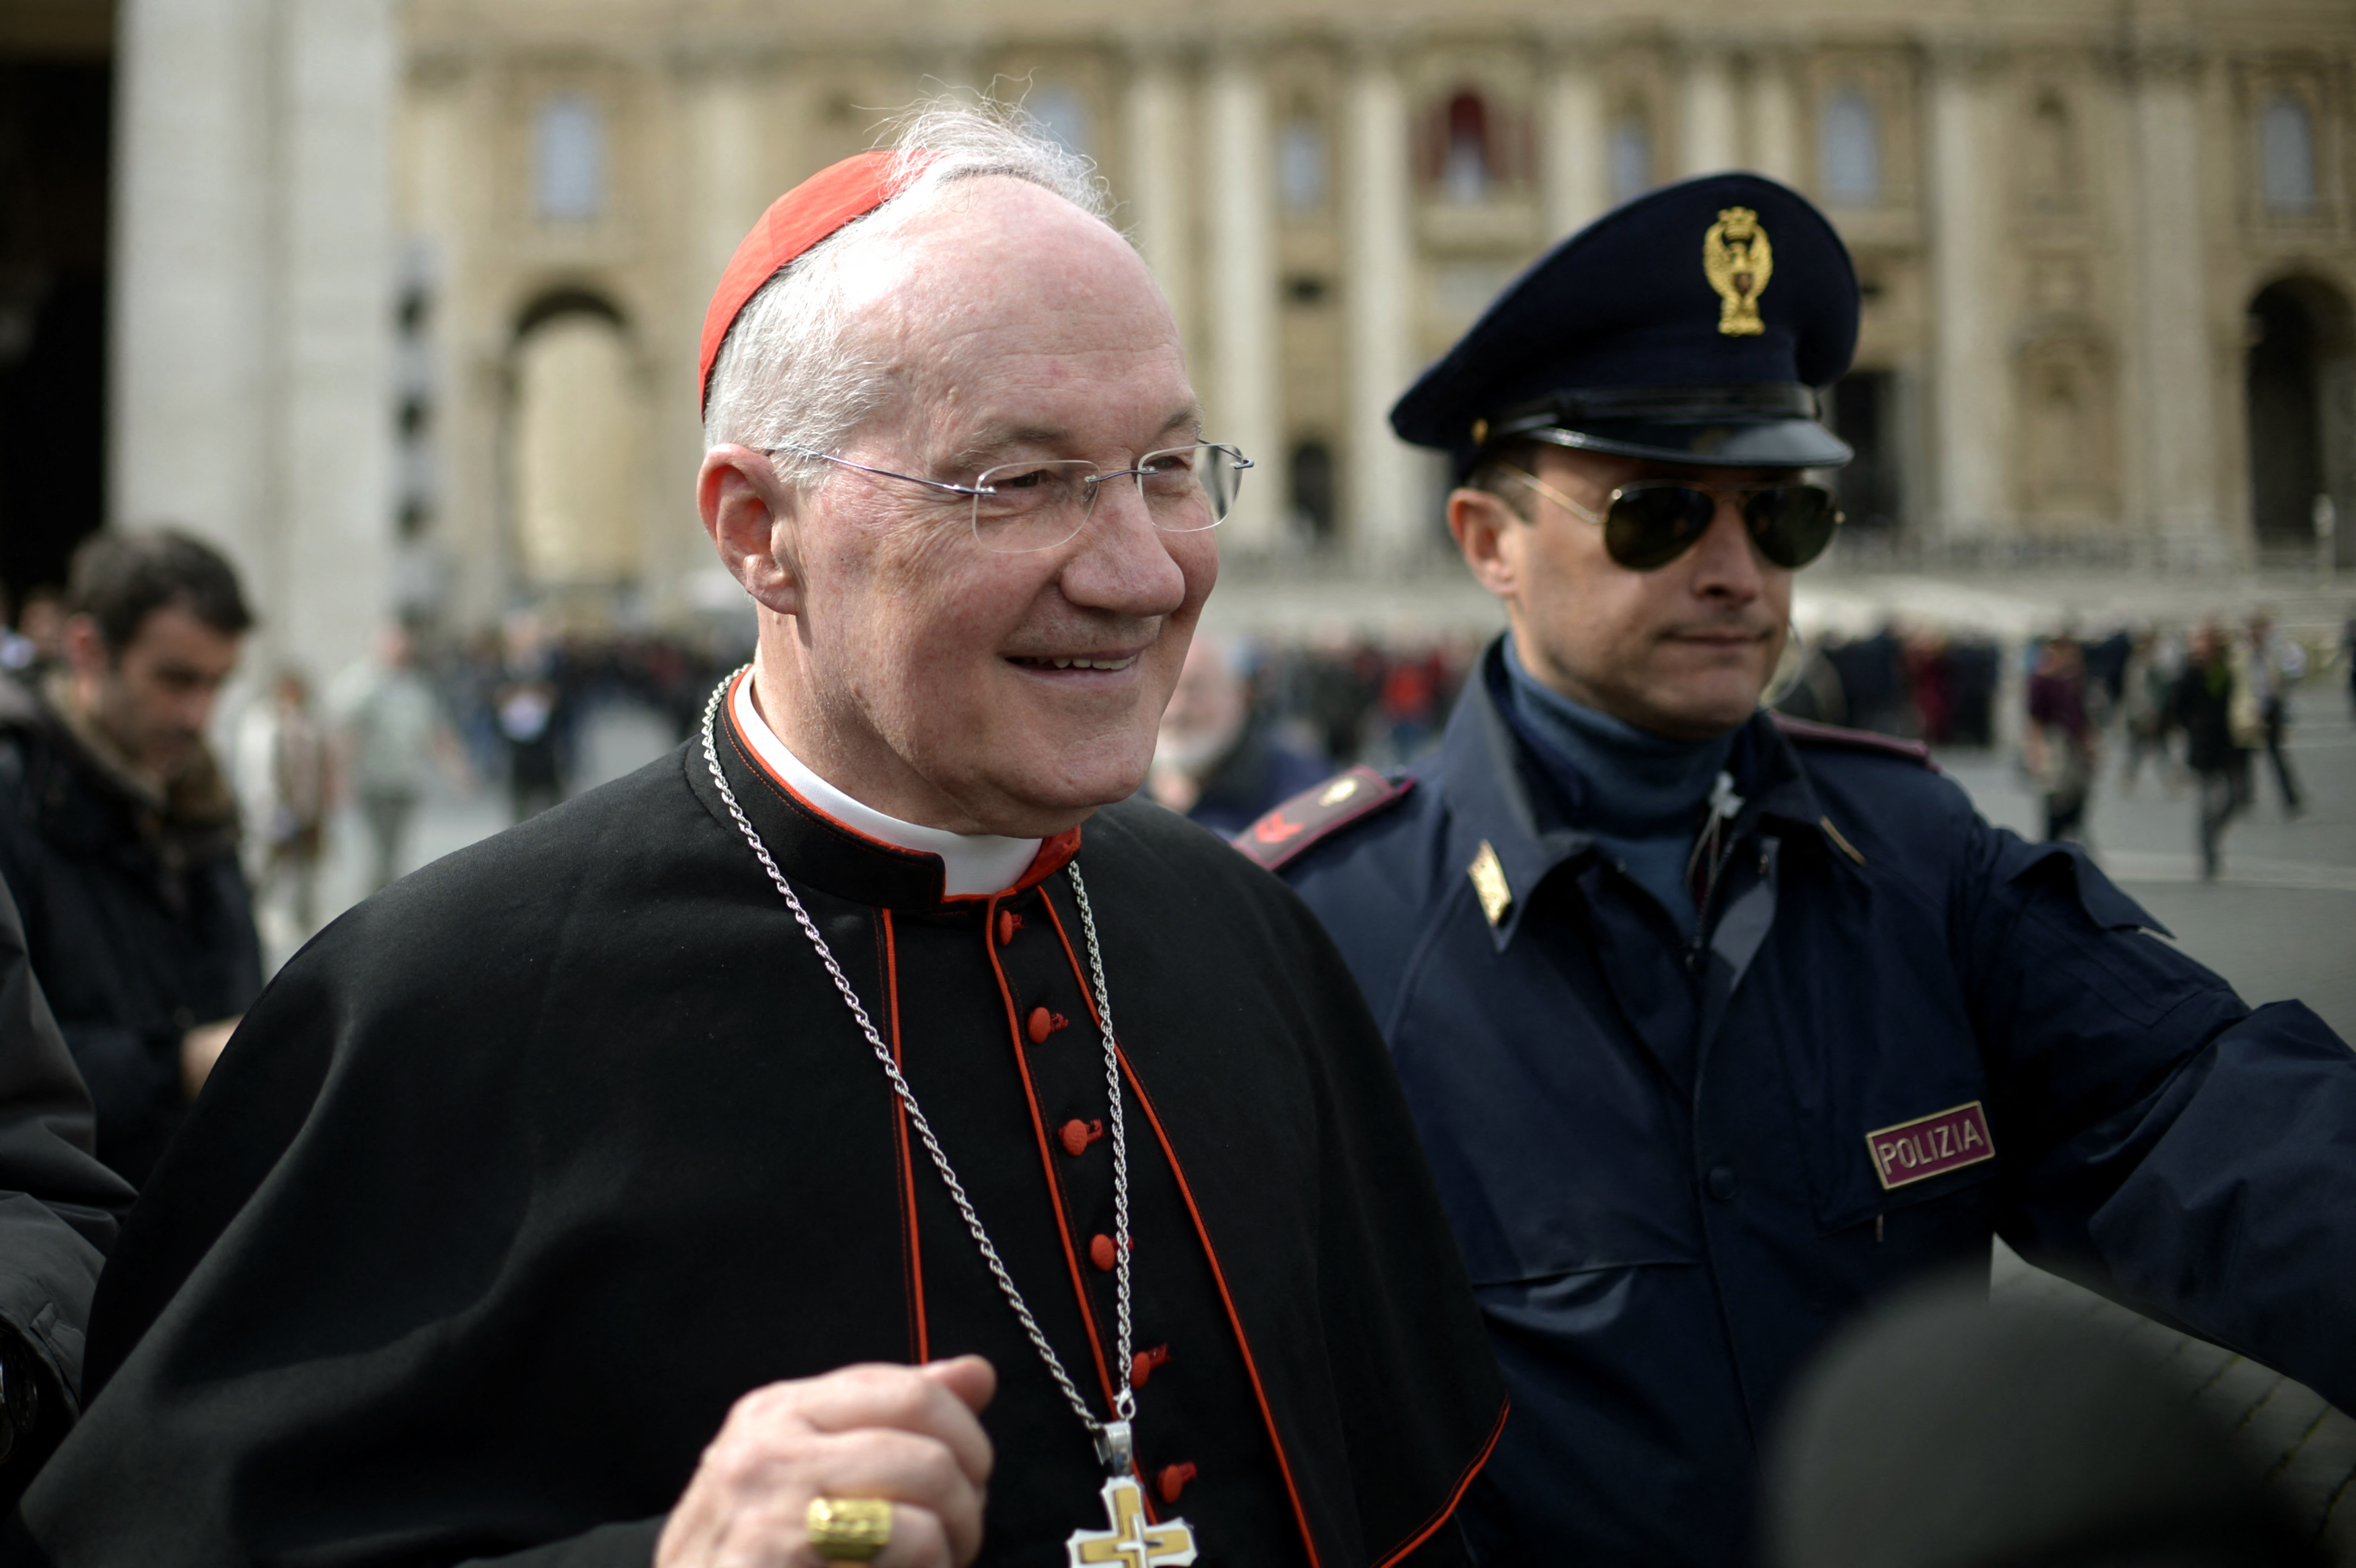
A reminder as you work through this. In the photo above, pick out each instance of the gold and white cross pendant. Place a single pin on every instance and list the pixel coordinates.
(1134, 1540)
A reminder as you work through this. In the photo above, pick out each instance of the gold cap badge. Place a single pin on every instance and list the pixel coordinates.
(1738, 262)
(1489, 884)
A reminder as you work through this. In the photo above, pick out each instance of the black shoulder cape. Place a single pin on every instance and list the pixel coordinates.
(527, 1169)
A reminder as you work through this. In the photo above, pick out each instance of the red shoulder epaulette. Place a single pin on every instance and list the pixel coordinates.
(1316, 814)
(1810, 732)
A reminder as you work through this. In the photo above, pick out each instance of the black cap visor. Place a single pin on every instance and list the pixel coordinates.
(1773, 443)
(1759, 425)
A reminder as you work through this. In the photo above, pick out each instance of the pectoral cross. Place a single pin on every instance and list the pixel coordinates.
(1134, 1540)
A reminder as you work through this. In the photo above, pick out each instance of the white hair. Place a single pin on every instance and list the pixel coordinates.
(793, 366)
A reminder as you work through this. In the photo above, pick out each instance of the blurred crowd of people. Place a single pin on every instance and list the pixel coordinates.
(2200, 706)
(1253, 722)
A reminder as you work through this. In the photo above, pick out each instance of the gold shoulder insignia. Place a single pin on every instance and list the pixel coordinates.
(1738, 262)
(1489, 884)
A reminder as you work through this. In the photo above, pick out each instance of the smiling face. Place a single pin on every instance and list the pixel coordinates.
(1684, 650)
(921, 674)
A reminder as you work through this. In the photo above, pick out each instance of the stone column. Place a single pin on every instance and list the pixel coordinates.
(1385, 491)
(1572, 158)
(1775, 148)
(190, 348)
(2179, 439)
(1706, 135)
(251, 360)
(1246, 400)
(1968, 392)
(1157, 213)
(728, 141)
(736, 156)
(447, 196)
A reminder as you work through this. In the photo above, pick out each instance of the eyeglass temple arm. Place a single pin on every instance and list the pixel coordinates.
(885, 473)
(1551, 494)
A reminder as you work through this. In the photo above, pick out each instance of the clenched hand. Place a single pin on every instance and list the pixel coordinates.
(904, 1433)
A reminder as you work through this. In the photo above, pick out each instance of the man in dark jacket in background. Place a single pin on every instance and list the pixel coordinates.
(119, 834)
(2208, 697)
(58, 1210)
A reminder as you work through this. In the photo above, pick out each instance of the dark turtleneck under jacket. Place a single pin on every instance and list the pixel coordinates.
(1640, 796)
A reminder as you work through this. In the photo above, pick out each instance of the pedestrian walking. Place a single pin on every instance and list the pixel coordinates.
(393, 732)
(529, 706)
(286, 782)
(2348, 657)
(2216, 709)
(2059, 743)
(2149, 685)
(2277, 662)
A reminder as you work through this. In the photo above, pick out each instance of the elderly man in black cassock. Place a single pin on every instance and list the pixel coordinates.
(841, 1140)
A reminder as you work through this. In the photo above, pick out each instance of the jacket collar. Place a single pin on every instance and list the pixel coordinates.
(1499, 795)
(814, 849)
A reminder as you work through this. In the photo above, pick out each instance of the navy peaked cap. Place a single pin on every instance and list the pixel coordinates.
(1692, 325)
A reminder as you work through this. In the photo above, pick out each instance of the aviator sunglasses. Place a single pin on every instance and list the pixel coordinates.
(1650, 522)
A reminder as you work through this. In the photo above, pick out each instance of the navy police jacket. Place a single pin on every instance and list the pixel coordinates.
(1674, 1169)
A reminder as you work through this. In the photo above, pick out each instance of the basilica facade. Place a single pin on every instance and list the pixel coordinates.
(2108, 250)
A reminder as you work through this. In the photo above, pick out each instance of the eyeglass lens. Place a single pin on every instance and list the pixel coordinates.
(1649, 526)
(1039, 504)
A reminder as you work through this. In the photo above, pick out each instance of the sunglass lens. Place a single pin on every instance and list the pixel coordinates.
(1792, 523)
(1652, 527)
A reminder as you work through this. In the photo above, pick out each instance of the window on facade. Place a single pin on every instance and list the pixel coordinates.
(1469, 171)
(1063, 114)
(1300, 166)
(1469, 168)
(569, 159)
(2286, 155)
(2051, 161)
(1630, 149)
(1852, 150)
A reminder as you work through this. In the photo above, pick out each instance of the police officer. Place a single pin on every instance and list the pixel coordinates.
(1718, 1027)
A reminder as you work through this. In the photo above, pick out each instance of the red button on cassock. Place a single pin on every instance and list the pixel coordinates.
(1078, 1135)
(1141, 1365)
(1102, 1253)
(1009, 922)
(1172, 1481)
(1042, 1023)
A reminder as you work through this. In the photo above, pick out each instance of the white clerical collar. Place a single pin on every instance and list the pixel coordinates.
(971, 862)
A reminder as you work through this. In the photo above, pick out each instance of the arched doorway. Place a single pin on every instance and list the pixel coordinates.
(2301, 408)
(578, 414)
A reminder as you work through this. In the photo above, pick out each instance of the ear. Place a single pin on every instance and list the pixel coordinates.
(1482, 526)
(749, 517)
(85, 646)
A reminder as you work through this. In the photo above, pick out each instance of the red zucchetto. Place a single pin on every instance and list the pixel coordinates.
(796, 221)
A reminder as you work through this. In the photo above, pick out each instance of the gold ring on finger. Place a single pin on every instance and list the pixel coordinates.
(849, 1530)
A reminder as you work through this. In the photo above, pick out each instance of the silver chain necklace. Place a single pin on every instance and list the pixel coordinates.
(1114, 1444)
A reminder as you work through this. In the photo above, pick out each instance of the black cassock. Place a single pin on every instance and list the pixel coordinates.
(527, 1167)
